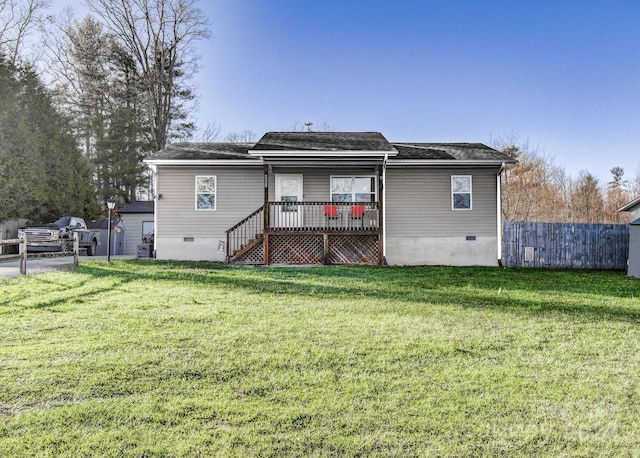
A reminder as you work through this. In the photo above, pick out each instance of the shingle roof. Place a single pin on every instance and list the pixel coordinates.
(324, 141)
(330, 142)
(190, 150)
(450, 151)
(141, 206)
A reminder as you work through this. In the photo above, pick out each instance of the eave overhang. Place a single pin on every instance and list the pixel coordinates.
(444, 163)
(197, 162)
(324, 164)
(319, 154)
(630, 206)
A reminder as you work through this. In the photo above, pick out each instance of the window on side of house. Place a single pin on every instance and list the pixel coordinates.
(353, 189)
(461, 192)
(206, 193)
(147, 231)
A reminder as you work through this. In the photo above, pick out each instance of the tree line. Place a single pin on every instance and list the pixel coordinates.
(42, 172)
(537, 190)
(116, 86)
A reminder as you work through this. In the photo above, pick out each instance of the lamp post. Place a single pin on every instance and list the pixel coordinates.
(111, 205)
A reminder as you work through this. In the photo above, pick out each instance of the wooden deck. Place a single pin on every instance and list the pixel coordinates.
(308, 233)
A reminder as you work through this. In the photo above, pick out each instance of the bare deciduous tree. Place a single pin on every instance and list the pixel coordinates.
(159, 36)
(310, 126)
(531, 187)
(634, 187)
(244, 136)
(17, 19)
(537, 190)
(211, 133)
(587, 201)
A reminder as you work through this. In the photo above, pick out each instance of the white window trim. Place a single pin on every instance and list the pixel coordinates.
(142, 229)
(470, 193)
(375, 185)
(215, 193)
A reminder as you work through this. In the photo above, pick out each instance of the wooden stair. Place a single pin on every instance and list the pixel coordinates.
(245, 249)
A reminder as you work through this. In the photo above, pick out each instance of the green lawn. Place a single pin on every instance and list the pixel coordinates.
(195, 359)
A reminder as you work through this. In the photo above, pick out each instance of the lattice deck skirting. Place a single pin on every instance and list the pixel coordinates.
(255, 256)
(353, 249)
(309, 249)
(296, 249)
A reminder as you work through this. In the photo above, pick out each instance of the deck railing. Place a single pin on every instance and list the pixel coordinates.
(245, 232)
(323, 216)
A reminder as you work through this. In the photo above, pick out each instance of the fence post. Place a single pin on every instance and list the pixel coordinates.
(76, 248)
(22, 249)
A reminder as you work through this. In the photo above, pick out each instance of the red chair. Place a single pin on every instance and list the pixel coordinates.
(332, 215)
(357, 211)
(331, 211)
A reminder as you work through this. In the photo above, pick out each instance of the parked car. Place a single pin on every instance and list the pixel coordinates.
(58, 236)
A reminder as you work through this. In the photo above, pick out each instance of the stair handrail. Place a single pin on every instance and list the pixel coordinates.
(237, 225)
(232, 247)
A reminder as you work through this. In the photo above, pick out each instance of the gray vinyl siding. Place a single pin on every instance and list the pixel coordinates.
(634, 251)
(239, 191)
(418, 203)
(316, 182)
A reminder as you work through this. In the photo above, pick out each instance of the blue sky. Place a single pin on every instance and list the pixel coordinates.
(564, 76)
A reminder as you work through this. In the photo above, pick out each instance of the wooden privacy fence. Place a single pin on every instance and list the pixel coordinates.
(559, 245)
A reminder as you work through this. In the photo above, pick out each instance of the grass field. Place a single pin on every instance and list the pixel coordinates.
(192, 359)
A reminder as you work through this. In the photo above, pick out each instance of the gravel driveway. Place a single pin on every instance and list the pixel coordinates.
(10, 269)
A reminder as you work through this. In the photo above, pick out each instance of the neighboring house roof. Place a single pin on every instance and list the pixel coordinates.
(631, 206)
(141, 206)
(320, 146)
(635, 222)
(323, 141)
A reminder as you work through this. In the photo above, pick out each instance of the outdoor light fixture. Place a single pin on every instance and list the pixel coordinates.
(110, 205)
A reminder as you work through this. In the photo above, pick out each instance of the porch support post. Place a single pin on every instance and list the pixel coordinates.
(266, 197)
(325, 253)
(265, 213)
(381, 247)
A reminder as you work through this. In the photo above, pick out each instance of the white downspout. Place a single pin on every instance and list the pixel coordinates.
(499, 208)
(154, 170)
(384, 206)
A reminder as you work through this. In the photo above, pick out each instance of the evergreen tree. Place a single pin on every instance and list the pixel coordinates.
(104, 91)
(42, 172)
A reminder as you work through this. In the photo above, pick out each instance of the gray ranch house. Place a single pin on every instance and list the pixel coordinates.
(329, 198)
